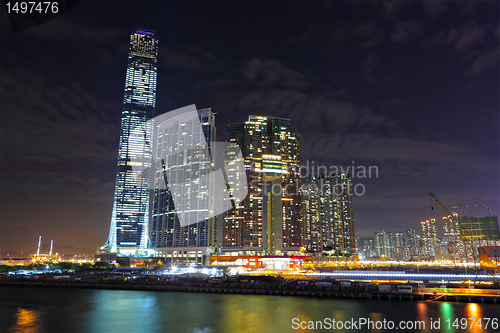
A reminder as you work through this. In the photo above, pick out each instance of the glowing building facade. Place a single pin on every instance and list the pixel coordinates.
(384, 244)
(412, 245)
(327, 213)
(129, 222)
(269, 219)
(429, 238)
(479, 228)
(182, 176)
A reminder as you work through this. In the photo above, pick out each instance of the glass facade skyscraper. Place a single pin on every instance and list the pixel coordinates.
(129, 222)
(184, 194)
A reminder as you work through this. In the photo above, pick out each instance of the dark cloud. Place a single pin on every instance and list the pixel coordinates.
(461, 38)
(434, 8)
(370, 35)
(60, 124)
(485, 61)
(271, 73)
(395, 7)
(368, 67)
(406, 30)
(310, 34)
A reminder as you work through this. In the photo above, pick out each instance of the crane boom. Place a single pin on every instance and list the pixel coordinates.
(442, 208)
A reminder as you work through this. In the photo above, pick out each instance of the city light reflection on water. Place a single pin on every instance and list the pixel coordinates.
(446, 313)
(474, 311)
(122, 311)
(82, 310)
(422, 313)
(26, 321)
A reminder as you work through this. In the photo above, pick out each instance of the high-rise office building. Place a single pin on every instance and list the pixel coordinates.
(270, 216)
(182, 176)
(328, 222)
(129, 222)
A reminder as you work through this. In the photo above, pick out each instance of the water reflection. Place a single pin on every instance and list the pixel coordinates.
(122, 311)
(422, 315)
(446, 316)
(26, 321)
(474, 311)
(376, 317)
(60, 310)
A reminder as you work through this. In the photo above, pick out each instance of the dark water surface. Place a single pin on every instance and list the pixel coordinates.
(27, 309)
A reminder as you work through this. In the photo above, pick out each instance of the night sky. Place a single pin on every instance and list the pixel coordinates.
(409, 87)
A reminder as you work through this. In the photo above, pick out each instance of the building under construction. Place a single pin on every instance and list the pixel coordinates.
(479, 228)
(463, 235)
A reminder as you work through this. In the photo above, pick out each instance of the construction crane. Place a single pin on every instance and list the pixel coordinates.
(452, 230)
(446, 213)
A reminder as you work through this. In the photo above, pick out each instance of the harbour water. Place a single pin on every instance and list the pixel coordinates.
(28, 309)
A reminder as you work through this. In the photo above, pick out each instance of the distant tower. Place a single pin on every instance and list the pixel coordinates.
(399, 246)
(384, 244)
(39, 244)
(412, 246)
(344, 221)
(429, 238)
(129, 222)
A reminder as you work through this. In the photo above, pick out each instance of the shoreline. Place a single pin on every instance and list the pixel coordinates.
(239, 290)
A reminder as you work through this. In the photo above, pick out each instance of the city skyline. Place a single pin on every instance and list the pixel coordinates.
(409, 87)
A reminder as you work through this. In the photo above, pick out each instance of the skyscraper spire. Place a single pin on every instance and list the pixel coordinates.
(129, 222)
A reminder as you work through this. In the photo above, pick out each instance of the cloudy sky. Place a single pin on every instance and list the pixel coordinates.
(411, 87)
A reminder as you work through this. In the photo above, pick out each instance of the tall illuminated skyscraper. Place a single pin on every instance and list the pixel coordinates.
(129, 222)
(270, 216)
